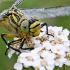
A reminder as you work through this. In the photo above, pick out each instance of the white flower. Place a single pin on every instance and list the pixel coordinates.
(55, 29)
(66, 32)
(18, 66)
(43, 28)
(59, 49)
(63, 38)
(29, 59)
(37, 44)
(60, 61)
(67, 62)
(47, 45)
(50, 67)
(67, 45)
(49, 51)
(47, 54)
(40, 68)
(10, 53)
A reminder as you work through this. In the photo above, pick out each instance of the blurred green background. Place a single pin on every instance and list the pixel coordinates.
(5, 62)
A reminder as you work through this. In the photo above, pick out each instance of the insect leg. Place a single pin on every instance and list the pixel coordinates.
(13, 49)
(45, 24)
(22, 43)
(8, 44)
(14, 42)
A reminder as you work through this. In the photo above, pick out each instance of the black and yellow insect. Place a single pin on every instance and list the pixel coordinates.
(19, 26)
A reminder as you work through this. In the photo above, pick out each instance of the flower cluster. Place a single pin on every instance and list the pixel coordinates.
(49, 50)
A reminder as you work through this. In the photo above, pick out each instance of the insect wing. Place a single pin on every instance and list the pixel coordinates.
(18, 2)
(47, 12)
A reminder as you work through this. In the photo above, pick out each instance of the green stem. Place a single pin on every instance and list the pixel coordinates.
(64, 67)
(56, 68)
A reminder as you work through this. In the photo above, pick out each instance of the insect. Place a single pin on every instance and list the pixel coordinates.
(19, 26)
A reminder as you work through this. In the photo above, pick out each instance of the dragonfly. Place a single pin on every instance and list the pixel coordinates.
(12, 19)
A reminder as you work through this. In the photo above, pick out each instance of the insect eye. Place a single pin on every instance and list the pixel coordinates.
(24, 27)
